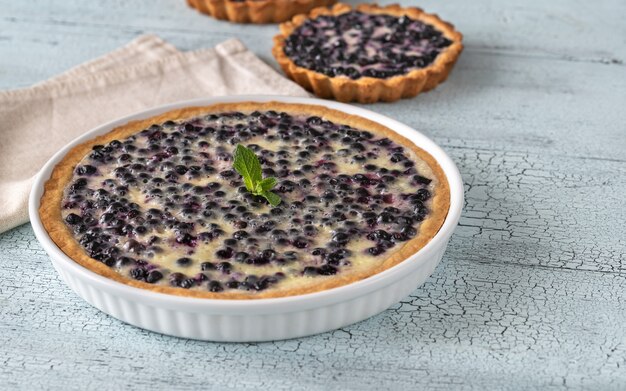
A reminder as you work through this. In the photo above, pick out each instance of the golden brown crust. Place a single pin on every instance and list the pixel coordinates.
(50, 208)
(369, 89)
(256, 11)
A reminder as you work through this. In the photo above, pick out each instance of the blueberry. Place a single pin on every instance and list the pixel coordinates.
(115, 144)
(278, 233)
(224, 253)
(422, 194)
(207, 266)
(376, 250)
(187, 283)
(286, 187)
(241, 256)
(311, 199)
(310, 271)
(385, 217)
(73, 219)
(419, 212)
(239, 235)
(186, 239)
(262, 284)
(300, 242)
(404, 220)
(336, 256)
(138, 273)
(378, 235)
(400, 237)
(256, 260)
(340, 238)
(227, 173)
(232, 284)
(154, 276)
(319, 252)
(276, 211)
(261, 230)
(124, 261)
(242, 224)
(327, 270)
(215, 286)
(416, 178)
(310, 230)
(329, 195)
(230, 242)
(290, 255)
(180, 170)
(224, 267)
(268, 254)
(79, 184)
(408, 231)
(184, 261)
(251, 279)
(397, 157)
(86, 170)
(313, 120)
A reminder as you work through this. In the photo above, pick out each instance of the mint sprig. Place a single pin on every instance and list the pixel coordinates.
(247, 164)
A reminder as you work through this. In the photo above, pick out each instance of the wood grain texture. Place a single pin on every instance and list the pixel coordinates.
(531, 293)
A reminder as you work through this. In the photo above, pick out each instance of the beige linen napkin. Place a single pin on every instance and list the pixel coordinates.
(36, 122)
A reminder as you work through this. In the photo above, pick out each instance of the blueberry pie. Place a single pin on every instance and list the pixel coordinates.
(160, 204)
(256, 11)
(367, 54)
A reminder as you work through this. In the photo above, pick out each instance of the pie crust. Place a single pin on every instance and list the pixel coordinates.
(51, 200)
(368, 89)
(256, 11)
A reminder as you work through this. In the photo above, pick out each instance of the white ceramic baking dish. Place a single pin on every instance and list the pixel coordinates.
(254, 320)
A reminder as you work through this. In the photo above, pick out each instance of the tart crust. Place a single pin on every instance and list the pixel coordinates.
(256, 11)
(51, 200)
(369, 89)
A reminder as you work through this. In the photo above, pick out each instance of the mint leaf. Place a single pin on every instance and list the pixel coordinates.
(272, 198)
(266, 184)
(246, 163)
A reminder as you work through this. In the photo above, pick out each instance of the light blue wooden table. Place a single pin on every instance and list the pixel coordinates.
(532, 291)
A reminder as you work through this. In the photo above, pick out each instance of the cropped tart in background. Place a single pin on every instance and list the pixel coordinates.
(159, 204)
(367, 54)
(256, 11)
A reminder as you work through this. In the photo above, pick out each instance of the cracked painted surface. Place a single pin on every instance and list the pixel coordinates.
(531, 293)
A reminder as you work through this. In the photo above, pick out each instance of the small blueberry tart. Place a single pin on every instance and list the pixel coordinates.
(256, 11)
(367, 54)
(172, 204)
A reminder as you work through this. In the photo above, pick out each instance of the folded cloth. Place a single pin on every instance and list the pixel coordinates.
(36, 122)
